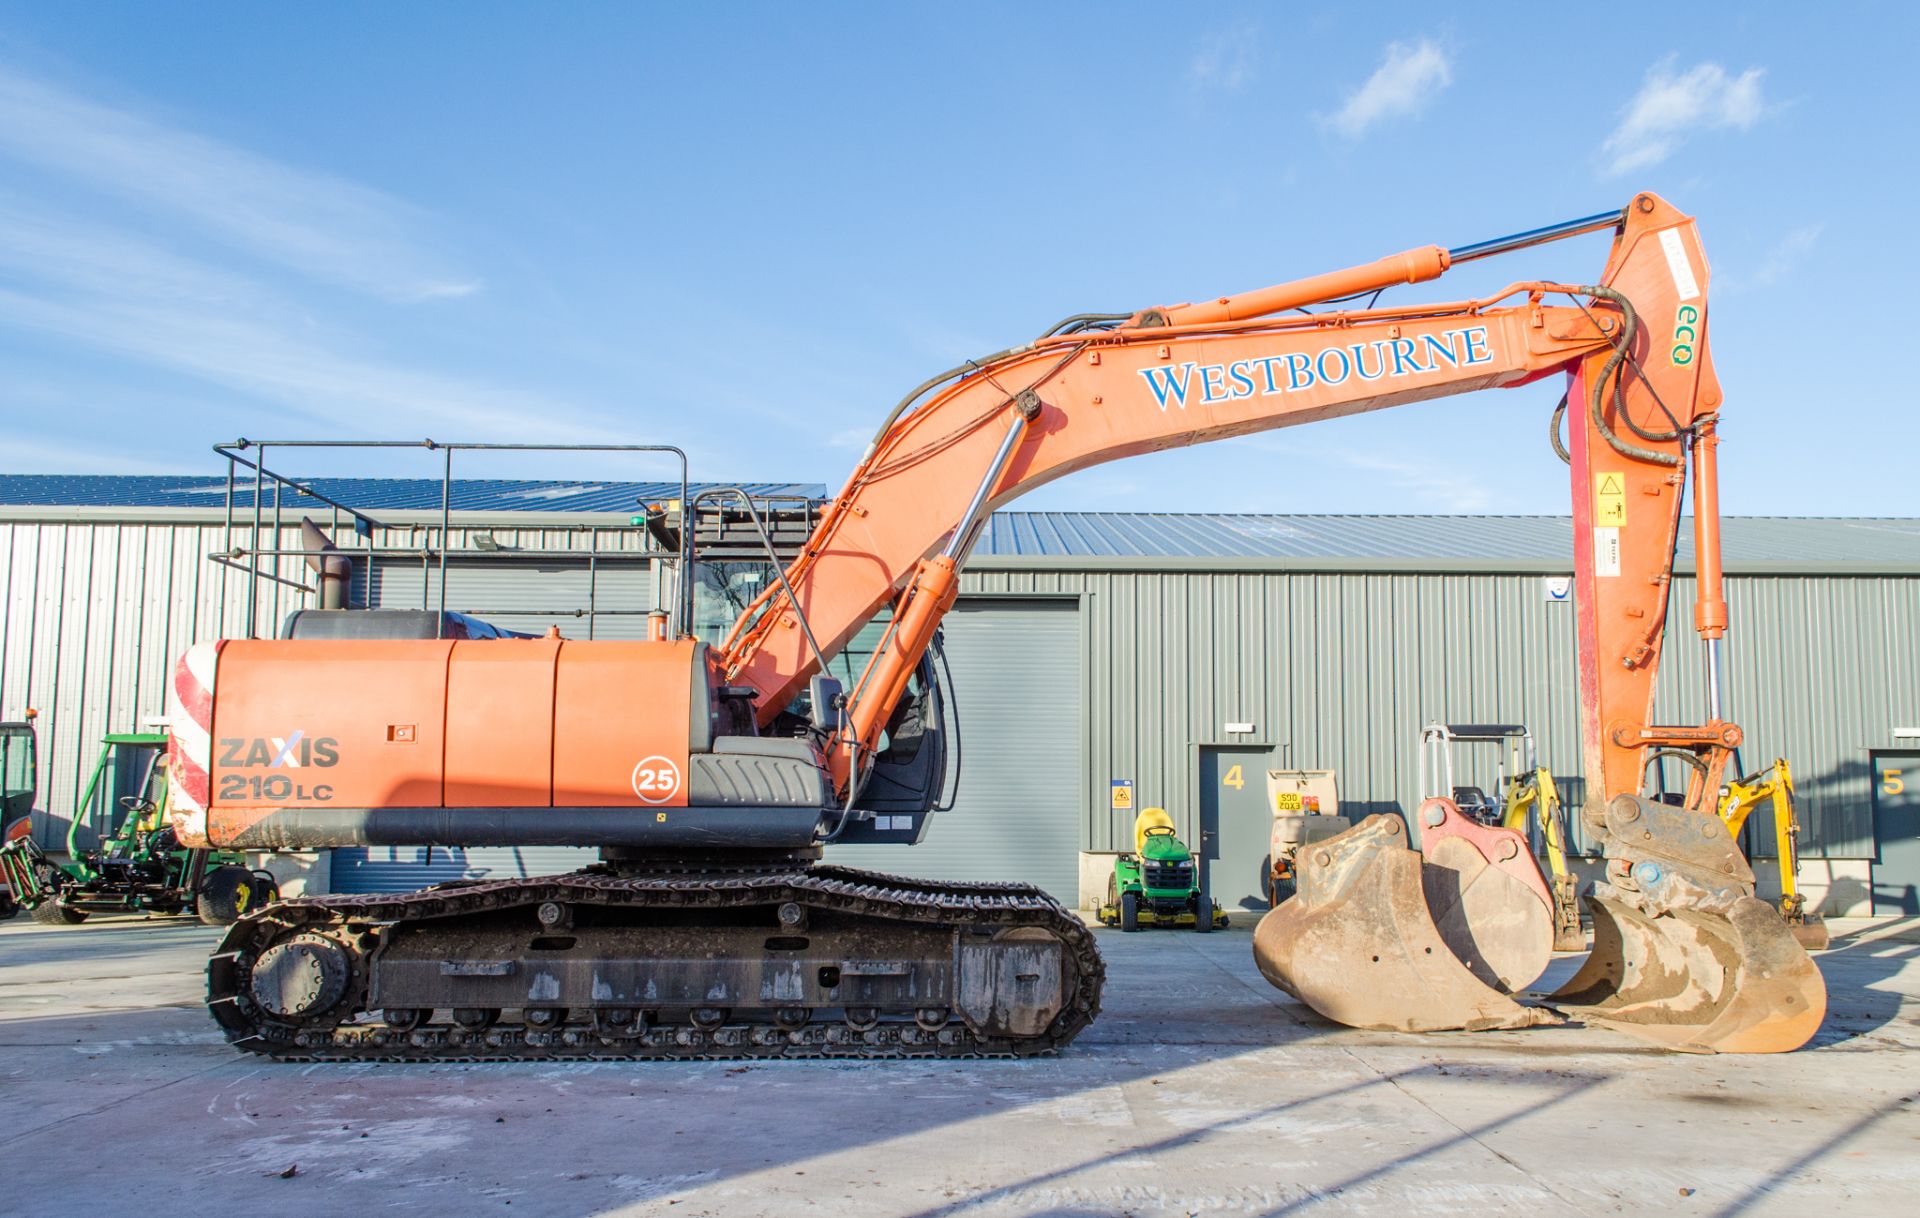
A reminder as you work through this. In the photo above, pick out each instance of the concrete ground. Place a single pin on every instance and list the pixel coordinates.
(1201, 1090)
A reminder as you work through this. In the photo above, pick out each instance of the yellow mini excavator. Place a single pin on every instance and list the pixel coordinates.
(1773, 787)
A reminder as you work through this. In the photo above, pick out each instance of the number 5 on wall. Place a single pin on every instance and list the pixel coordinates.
(1891, 783)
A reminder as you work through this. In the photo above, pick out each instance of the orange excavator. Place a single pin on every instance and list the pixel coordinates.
(711, 775)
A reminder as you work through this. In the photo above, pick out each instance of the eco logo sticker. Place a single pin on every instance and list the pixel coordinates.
(1686, 333)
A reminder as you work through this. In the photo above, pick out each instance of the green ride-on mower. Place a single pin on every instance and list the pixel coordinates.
(139, 866)
(1159, 883)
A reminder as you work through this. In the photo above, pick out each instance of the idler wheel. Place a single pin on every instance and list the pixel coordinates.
(405, 1019)
(931, 1019)
(544, 1018)
(708, 1018)
(863, 1019)
(299, 977)
(791, 1018)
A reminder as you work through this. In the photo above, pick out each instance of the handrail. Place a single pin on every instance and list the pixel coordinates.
(364, 524)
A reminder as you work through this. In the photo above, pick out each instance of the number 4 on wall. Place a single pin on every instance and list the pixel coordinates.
(1233, 778)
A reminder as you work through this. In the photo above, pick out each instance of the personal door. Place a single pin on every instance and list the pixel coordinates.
(1896, 833)
(1235, 824)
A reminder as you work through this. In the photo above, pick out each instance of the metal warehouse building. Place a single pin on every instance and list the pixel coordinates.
(1169, 658)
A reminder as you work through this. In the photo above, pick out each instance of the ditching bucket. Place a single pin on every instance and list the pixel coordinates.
(1684, 955)
(1358, 944)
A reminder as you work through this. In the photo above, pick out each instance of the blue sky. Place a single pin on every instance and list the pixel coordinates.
(748, 229)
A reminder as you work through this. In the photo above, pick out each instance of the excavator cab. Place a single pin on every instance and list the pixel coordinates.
(910, 779)
(19, 771)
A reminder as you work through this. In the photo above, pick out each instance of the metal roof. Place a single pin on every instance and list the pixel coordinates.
(364, 494)
(1745, 540)
(1349, 542)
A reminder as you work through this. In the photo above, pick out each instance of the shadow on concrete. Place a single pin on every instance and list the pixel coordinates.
(1574, 1085)
(101, 938)
(590, 1138)
(1856, 968)
(1786, 1173)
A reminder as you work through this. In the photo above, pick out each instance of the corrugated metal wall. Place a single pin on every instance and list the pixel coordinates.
(1338, 669)
(530, 595)
(95, 615)
(1341, 670)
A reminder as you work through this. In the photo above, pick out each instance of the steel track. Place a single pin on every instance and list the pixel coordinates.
(347, 1032)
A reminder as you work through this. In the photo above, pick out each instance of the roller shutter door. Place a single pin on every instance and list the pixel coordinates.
(1016, 669)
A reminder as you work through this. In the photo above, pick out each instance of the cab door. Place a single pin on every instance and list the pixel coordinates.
(19, 772)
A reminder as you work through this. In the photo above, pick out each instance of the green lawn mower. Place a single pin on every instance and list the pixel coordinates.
(139, 865)
(1158, 884)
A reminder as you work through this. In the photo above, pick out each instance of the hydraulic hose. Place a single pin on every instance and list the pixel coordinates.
(1615, 372)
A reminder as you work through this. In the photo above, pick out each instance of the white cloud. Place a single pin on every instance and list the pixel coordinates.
(1787, 253)
(1433, 486)
(1671, 106)
(323, 227)
(1407, 80)
(1224, 60)
(22, 456)
(108, 290)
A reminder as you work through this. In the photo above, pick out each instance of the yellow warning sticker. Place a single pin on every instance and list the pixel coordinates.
(1609, 500)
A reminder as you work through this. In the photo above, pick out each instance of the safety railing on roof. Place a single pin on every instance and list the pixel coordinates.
(247, 466)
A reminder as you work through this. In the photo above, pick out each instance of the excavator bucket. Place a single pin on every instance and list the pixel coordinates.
(1358, 943)
(1486, 896)
(1684, 955)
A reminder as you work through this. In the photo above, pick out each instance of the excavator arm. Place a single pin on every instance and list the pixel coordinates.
(1642, 389)
(1683, 954)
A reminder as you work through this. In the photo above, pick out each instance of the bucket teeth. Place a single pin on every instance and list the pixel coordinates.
(1358, 944)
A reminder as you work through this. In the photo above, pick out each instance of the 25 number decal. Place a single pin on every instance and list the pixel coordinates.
(656, 780)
